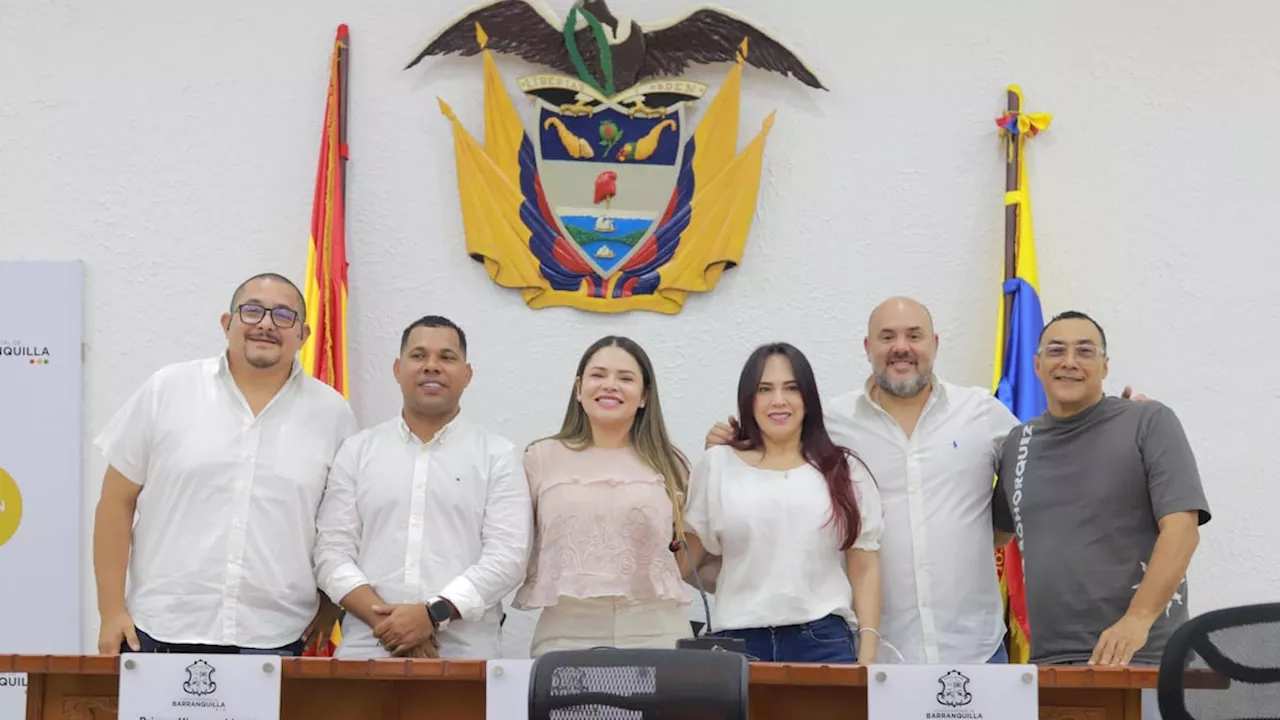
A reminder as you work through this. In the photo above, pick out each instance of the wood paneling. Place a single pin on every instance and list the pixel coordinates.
(84, 688)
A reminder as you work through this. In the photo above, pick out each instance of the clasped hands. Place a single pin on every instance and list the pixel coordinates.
(406, 631)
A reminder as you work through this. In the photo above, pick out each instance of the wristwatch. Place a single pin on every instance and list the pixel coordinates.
(439, 612)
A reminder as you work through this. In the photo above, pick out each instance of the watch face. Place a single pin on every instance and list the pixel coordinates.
(439, 611)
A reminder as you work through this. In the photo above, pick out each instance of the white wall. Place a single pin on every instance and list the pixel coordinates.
(172, 146)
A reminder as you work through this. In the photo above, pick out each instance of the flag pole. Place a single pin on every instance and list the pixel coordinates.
(1014, 106)
(324, 355)
(344, 60)
(1015, 382)
(1010, 214)
(329, 644)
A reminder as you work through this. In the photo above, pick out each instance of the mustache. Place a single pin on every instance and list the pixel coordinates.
(900, 356)
(264, 335)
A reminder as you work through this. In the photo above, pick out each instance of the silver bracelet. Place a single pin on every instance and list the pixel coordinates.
(873, 631)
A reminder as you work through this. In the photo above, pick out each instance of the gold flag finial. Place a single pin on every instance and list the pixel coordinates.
(768, 121)
(445, 109)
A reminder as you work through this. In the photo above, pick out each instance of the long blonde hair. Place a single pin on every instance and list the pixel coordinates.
(648, 434)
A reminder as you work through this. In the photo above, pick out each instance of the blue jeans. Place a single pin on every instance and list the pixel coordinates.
(149, 644)
(1001, 656)
(825, 640)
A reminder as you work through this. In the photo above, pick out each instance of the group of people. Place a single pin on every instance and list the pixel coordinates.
(243, 510)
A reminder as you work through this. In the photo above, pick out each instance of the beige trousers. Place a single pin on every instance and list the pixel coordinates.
(574, 624)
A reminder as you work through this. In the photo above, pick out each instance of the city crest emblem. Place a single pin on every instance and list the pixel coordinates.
(612, 201)
(955, 690)
(199, 679)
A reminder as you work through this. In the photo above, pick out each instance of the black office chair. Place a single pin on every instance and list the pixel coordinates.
(612, 684)
(1223, 665)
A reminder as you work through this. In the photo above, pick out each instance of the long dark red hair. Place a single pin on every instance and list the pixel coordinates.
(816, 446)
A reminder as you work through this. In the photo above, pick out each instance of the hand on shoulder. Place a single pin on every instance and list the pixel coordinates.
(722, 433)
(1128, 395)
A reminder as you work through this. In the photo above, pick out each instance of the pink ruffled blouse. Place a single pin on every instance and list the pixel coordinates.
(602, 525)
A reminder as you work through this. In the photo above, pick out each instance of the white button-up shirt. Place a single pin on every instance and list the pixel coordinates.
(226, 515)
(450, 517)
(941, 595)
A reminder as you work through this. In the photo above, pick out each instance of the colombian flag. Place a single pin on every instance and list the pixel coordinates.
(1018, 328)
(324, 355)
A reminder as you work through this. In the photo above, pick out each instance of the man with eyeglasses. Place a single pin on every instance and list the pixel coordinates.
(224, 462)
(1105, 500)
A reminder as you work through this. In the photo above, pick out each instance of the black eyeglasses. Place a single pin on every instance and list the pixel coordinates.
(281, 317)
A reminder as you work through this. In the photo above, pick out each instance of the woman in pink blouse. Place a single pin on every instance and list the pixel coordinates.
(607, 494)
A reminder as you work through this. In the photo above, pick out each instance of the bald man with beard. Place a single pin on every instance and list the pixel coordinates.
(933, 448)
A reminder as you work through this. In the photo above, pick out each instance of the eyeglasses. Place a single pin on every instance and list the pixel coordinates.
(281, 317)
(1084, 353)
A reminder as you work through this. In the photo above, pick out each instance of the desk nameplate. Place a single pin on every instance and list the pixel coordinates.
(507, 689)
(953, 692)
(173, 686)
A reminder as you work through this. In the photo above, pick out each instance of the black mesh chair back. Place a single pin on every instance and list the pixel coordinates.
(612, 684)
(1223, 665)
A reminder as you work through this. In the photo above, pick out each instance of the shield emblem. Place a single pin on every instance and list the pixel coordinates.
(608, 176)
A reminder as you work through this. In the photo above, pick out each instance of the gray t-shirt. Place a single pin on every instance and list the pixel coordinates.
(1084, 495)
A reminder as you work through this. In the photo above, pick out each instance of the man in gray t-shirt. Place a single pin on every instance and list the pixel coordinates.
(1104, 497)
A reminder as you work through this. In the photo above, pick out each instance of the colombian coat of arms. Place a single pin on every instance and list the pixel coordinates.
(612, 201)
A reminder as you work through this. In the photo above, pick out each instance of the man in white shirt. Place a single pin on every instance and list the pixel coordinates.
(933, 448)
(426, 521)
(224, 461)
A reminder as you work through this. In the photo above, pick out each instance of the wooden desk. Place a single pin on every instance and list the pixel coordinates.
(72, 687)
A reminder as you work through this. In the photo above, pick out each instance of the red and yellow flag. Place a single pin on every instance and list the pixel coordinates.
(324, 355)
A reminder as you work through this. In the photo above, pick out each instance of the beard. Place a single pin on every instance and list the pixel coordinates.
(902, 388)
(262, 359)
(261, 362)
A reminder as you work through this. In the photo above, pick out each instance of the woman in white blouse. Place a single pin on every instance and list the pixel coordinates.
(795, 520)
(607, 491)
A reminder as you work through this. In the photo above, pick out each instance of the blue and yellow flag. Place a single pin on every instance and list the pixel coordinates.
(1018, 327)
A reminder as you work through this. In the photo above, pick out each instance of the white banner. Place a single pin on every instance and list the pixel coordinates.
(41, 485)
(13, 697)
